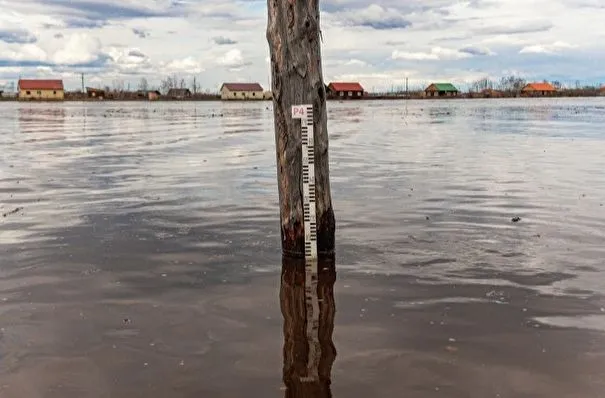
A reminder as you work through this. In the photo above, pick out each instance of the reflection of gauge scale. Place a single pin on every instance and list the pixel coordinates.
(305, 114)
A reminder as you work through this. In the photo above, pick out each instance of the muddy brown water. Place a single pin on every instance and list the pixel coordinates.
(139, 252)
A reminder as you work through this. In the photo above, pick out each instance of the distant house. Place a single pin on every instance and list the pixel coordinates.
(30, 89)
(242, 91)
(95, 92)
(179, 93)
(538, 89)
(153, 95)
(441, 90)
(345, 90)
(491, 93)
(601, 91)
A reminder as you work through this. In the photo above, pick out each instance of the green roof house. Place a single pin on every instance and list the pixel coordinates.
(441, 90)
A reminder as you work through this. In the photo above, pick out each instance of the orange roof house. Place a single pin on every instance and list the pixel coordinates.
(602, 90)
(538, 89)
(345, 90)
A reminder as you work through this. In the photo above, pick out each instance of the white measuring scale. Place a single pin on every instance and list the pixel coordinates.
(305, 114)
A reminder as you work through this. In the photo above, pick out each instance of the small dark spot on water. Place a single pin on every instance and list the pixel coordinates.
(16, 210)
(126, 320)
(428, 218)
(516, 219)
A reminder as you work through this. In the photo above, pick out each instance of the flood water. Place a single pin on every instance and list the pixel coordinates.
(140, 257)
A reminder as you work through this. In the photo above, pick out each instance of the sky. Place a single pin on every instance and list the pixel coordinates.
(379, 43)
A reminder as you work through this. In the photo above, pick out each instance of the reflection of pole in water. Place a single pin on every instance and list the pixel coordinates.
(307, 303)
(312, 317)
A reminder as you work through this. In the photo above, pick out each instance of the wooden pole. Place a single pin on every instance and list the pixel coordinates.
(296, 69)
(307, 374)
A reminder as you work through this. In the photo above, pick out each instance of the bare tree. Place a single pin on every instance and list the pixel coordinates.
(143, 84)
(512, 84)
(482, 84)
(118, 85)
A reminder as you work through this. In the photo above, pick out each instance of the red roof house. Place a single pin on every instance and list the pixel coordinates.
(538, 89)
(345, 90)
(242, 87)
(33, 84)
(242, 91)
(34, 89)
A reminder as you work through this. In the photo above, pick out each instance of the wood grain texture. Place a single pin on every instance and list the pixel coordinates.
(296, 69)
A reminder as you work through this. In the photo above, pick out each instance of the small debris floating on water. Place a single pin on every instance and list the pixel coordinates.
(16, 210)
(516, 219)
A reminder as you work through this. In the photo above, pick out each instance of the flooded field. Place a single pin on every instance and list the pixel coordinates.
(139, 252)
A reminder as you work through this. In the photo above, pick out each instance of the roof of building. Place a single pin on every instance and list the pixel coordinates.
(177, 91)
(345, 86)
(242, 86)
(34, 84)
(540, 87)
(448, 87)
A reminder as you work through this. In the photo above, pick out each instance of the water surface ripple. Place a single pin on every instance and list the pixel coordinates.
(139, 251)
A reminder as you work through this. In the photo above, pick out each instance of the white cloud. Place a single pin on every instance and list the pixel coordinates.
(376, 41)
(546, 48)
(187, 65)
(232, 59)
(356, 62)
(435, 54)
(25, 52)
(78, 48)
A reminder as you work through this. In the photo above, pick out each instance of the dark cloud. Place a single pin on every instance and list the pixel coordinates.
(392, 23)
(376, 17)
(221, 40)
(100, 62)
(17, 36)
(107, 9)
(476, 51)
(83, 23)
(533, 27)
(140, 32)
(136, 53)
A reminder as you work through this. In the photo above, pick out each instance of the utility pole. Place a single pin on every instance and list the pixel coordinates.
(293, 35)
(194, 86)
(407, 92)
(82, 82)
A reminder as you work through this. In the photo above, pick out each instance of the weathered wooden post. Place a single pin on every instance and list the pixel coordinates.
(294, 42)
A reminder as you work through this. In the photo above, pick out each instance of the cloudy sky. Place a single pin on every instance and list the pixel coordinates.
(376, 42)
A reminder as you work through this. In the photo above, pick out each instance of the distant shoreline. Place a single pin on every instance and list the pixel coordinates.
(366, 98)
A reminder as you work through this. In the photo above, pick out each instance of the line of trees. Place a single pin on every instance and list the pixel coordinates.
(514, 84)
(167, 83)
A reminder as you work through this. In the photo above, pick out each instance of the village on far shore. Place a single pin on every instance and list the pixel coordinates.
(53, 90)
